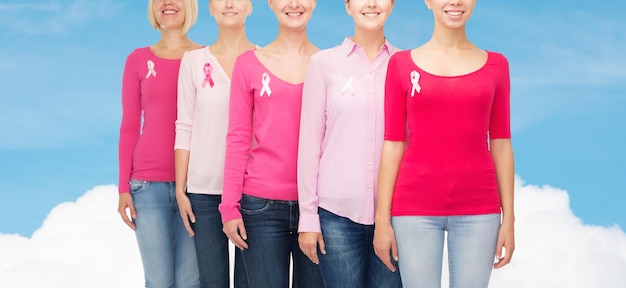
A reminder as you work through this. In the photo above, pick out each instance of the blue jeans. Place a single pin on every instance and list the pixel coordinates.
(167, 252)
(212, 244)
(471, 249)
(272, 228)
(350, 260)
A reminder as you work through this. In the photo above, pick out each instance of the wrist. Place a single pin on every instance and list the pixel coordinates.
(382, 220)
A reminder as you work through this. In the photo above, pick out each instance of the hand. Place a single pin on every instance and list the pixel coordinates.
(236, 232)
(384, 242)
(308, 244)
(184, 206)
(126, 201)
(506, 240)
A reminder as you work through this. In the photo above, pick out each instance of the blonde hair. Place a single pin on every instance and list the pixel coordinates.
(191, 15)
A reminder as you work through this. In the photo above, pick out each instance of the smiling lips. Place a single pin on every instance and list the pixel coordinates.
(294, 14)
(454, 13)
(169, 12)
(370, 14)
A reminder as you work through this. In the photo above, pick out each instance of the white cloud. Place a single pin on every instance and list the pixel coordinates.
(85, 244)
(80, 244)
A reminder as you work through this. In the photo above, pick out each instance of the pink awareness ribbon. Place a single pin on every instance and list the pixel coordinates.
(415, 81)
(208, 70)
(265, 81)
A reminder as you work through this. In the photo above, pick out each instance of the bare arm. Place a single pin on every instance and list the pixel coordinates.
(384, 239)
(502, 153)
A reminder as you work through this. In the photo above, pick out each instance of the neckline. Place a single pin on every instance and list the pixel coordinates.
(149, 48)
(216, 61)
(482, 67)
(271, 73)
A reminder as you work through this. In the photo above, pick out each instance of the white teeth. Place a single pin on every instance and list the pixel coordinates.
(454, 13)
(371, 14)
(294, 14)
(169, 12)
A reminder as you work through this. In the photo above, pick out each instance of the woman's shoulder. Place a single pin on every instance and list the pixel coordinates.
(141, 52)
(497, 57)
(198, 54)
(401, 55)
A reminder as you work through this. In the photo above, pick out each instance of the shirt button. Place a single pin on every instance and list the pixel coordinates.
(371, 91)
(371, 139)
(369, 186)
(369, 163)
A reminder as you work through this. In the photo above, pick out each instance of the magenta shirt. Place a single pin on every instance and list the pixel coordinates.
(263, 110)
(341, 134)
(447, 168)
(146, 145)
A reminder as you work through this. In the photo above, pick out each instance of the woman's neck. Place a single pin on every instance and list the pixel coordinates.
(231, 41)
(449, 39)
(369, 41)
(291, 42)
(173, 40)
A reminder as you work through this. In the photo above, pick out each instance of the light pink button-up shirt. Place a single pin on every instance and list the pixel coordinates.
(341, 134)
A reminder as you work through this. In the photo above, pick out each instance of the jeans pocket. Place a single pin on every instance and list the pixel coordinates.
(253, 205)
(137, 186)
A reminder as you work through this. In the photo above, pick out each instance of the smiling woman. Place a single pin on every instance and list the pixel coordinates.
(454, 179)
(342, 110)
(201, 126)
(260, 200)
(146, 148)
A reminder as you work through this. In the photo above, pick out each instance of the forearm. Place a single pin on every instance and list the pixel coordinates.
(502, 153)
(182, 166)
(389, 165)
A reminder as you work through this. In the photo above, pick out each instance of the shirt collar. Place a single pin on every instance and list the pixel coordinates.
(348, 46)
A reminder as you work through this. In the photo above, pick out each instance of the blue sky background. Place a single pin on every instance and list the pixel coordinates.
(62, 60)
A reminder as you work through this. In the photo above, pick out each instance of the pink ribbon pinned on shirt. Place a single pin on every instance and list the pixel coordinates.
(265, 81)
(415, 81)
(151, 71)
(208, 70)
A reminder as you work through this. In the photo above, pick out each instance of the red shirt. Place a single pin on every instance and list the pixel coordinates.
(447, 168)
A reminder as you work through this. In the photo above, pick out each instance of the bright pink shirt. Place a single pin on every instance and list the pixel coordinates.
(146, 146)
(447, 168)
(264, 110)
(341, 134)
(203, 95)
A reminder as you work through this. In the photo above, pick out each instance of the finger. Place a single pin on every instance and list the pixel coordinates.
(499, 251)
(192, 217)
(242, 232)
(383, 255)
(311, 253)
(504, 259)
(394, 251)
(237, 241)
(234, 233)
(127, 220)
(322, 246)
(387, 262)
(133, 213)
(185, 217)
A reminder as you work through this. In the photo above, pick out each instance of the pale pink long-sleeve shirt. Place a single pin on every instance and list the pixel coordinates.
(264, 110)
(341, 134)
(147, 131)
(203, 97)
